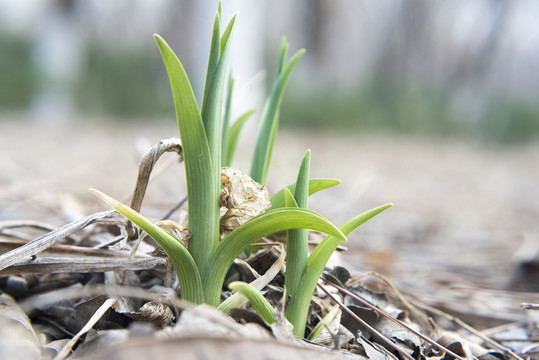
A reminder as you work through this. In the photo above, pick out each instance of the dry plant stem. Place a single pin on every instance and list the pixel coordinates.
(66, 264)
(389, 317)
(470, 329)
(531, 349)
(396, 291)
(114, 241)
(373, 330)
(89, 325)
(146, 165)
(36, 246)
(66, 249)
(527, 306)
(487, 332)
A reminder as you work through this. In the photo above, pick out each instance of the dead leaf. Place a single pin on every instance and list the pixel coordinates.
(107, 304)
(374, 351)
(10, 310)
(17, 337)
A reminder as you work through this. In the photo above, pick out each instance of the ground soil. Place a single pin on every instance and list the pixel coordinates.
(465, 214)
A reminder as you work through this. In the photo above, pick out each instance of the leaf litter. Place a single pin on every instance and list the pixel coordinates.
(97, 287)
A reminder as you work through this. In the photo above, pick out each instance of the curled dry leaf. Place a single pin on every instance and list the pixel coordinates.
(17, 337)
(242, 199)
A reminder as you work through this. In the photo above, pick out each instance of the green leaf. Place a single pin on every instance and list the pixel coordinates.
(234, 134)
(325, 322)
(315, 185)
(202, 180)
(296, 312)
(213, 61)
(212, 103)
(282, 55)
(227, 34)
(289, 200)
(225, 133)
(211, 112)
(297, 247)
(259, 302)
(262, 225)
(301, 192)
(270, 116)
(237, 299)
(184, 264)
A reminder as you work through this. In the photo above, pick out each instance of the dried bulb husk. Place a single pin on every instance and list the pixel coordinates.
(242, 199)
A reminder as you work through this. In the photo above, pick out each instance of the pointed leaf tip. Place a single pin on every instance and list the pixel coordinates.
(105, 198)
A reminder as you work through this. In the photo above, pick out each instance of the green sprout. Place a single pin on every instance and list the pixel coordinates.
(208, 143)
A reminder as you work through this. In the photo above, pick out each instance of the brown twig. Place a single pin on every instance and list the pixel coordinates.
(471, 330)
(82, 264)
(389, 317)
(371, 329)
(399, 295)
(66, 349)
(36, 246)
(527, 306)
(146, 165)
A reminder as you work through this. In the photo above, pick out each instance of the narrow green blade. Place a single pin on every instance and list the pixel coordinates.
(270, 116)
(301, 192)
(296, 312)
(184, 264)
(259, 302)
(237, 300)
(211, 112)
(238, 240)
(213, 61)
(289, 200)
(202, 183)
(214, 88)
(325, 323)
(315, 185)
(297, 247)
(227, 34)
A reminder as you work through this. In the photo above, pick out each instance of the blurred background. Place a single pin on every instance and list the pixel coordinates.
(431, 105)
(461, 68)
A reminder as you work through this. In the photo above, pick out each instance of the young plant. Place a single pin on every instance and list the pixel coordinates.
(202, 266)
(207, 144)
(302, 290)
